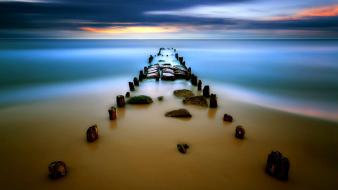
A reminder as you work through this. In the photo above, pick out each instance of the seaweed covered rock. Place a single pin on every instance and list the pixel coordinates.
(277, 165)
(179, 113)
(142, 99)
(182, 148)
(196, 100)
(183, 93)
(239, 132)
(57, 169)
(92, 133)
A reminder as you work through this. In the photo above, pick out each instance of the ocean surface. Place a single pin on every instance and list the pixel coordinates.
(298, 76)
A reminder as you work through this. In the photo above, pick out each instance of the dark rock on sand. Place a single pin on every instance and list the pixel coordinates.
(178, 113)
(239, 132)
(57, 169)
(92, 133)
(182, 148)
(112, 113)
(213, 101)
(142, 99)
(227, 117)
(183, 93)
(120, 101)
(206, 91)
(277, 165)
(131, 86)
(196, 100)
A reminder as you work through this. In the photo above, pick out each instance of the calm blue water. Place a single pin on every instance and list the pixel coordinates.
(295, 75)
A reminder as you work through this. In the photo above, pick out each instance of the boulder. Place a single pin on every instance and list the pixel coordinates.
(182, 148)
(277, 165)
(183, 93)
(239, 132)
(227, 118)
(178, 113)
(141, 75)
(120, 101)
(213, 101)
(131, 86)
(92, 133)
(206, 91)
(112, 113)
(142, 99)
(196, 100)
(57, 169)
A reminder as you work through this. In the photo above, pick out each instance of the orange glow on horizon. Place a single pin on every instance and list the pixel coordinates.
(326, 11)
(131, 29)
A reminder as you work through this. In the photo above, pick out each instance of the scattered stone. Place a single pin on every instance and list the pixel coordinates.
(227, 118)
(142, 99)
(213, 101)
(127, 94)
(57, 169)
(183, 93)
(131, 86)
(277, 165)
(240, 132)
(182, 148)
(136, 82)
(92, 133)
(112, 113)
(196, 100)
(120, 101)
(178, 113)
(206, 91)
(199, 85)
(160, 98)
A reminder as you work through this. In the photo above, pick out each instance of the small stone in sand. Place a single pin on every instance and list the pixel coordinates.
(182, 148)
(183, 113)
(57, 169)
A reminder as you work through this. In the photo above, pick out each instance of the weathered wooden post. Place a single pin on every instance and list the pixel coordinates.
(277, 165)
(131, 86)
(206, 91)
(136, 82)
(199, 85)
(120, 101)
(141, 76)
(57, 169)
(213, 101)
(150, 59)
(239, 132)
(92, 133)
(112, 113)
(145, 69)
(193, 79)
(127, 94)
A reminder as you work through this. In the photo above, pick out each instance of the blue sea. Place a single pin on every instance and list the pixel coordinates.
(299, 76)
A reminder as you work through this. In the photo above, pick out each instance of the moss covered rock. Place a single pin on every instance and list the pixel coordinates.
(142, 99)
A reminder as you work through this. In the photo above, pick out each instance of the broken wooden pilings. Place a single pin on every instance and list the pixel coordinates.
(193, 79)
(145, 69)
(120, 101)
(180, 59)
(127, 94)
(92, 133)
(150, 59)
(213, 101)
(112, 113)
(57, 169)
(206, 91)
(141, 76)
(131, 86)
(199, 85)
(136, 82)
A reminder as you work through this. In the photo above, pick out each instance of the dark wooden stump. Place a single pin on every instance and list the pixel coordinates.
(199, 85)
(136, 82)
(182, 148)
(227, 118)
(92, 133)
(150, 59)
(57, 169)
(141, 76)
(131, 86)
(213, 101)
(239, 132)
(193, 79)
(112, 113)
(206, 91)
(120, 101)
(277, 165)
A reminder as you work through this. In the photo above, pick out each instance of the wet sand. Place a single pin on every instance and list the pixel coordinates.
(138, 150)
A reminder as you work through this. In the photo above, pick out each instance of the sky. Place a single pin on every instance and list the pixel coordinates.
(169, 19)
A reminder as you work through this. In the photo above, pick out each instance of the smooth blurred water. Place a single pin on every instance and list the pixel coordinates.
(294, 75)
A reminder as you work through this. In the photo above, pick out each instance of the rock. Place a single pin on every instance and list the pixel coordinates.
(182, 148)
(112, 113)
(206, 91)
(127, 94)
(160, 98)
(178, 113)
(213, 101)
(199, 85)
(196, 100)
(131, 86)
(183, 93)
(193, 79)
(136, 82)
(277, 165)
(92, 133)
(142, 99)
(227, 117)
(239, 132)
(120, 101)
(57, 169)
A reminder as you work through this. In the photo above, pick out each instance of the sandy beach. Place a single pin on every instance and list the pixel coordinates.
(138, 150)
